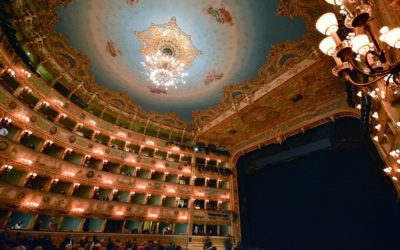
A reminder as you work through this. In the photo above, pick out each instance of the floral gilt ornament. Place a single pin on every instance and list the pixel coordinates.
(168, 53)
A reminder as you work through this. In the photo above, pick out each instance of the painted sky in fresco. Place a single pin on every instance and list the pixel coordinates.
(104, 30)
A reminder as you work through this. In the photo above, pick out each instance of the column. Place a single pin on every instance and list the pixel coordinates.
(170, 134)
(158, 131)
(132, 122)
(91, 98)
(183, 134)
(102, 112)
(147, 124)
(118, 116)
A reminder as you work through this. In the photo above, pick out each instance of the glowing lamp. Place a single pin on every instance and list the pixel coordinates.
(327, 24)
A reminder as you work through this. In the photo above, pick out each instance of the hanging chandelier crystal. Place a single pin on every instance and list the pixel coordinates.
(168, 53)
(164, 70)
(361, 51)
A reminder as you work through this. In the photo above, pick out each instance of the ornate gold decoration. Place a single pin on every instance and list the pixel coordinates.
(282, 59)
(169, 39)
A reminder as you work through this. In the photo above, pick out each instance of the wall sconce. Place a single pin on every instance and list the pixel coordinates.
(176, 148)
(55, 181)
(26, 73)
(76, 185)
(98, 151)
(26, 161)
(121, 134)
(78, 210)
(23, 117)
(108, 182)
(32, 175)
(26, 133)
(59, 102)
(11, 72)
(31, 204)
(6, 120)
(69, 173)
(6, 168)
(150, 143)
(115, 191)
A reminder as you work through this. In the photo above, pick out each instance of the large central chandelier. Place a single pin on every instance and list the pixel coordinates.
(164, 70)
(168, 53)
(362, 51)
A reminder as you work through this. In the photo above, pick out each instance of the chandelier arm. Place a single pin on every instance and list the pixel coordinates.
(385, 72)
(349, 79)
(381, 55)
(374, 53)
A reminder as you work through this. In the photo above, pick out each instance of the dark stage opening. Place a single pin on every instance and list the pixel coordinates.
(324, 189)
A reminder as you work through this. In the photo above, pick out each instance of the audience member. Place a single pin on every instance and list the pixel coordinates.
(3, 131)
(18, 225)
(44, 242)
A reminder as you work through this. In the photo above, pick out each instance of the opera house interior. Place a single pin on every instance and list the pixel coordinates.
(188, 124)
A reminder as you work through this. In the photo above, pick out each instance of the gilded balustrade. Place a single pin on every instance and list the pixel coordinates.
(13, 108)
(54, 168)
(24, 199)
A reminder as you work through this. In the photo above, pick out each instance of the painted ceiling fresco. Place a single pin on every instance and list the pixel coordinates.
(234, 37)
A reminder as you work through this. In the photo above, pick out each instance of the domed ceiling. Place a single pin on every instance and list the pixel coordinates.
(230, 39)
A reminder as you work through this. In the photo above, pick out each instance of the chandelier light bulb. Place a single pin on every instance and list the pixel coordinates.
(327, 24)
(334, 2)
(328, 46)
(361, 44)
(391, 37)
(164, 70)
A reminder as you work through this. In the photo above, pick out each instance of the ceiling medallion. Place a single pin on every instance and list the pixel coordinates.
(168, 52)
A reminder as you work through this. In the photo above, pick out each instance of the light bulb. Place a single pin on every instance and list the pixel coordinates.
(393, 38)
(361, 44)
(327, 24)
(334, 2)
(328, 46)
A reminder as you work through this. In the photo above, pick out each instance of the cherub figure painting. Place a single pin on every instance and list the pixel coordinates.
(112, 50)
(221, 15)
(212, 76)
(156, 90)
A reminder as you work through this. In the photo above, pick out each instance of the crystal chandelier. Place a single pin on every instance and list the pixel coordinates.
(164, 70)
(362, 51)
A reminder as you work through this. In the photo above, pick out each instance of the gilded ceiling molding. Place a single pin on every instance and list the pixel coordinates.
(282, 58)
(287, 96)
(326, 113)
(309, 10)
(174, 42)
